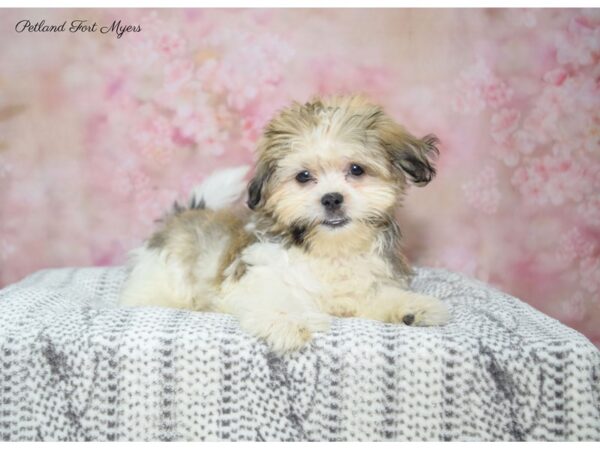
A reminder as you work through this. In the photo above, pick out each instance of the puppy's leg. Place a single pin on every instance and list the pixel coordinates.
(274, 300)
(394, 304)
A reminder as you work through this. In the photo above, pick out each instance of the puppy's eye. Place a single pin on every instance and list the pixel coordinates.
(356, 170)
(303, 176)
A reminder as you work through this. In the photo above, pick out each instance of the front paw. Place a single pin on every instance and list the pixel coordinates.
(285, 331)
(421, 311)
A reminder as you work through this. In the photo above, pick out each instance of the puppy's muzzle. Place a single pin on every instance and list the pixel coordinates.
(332, 201)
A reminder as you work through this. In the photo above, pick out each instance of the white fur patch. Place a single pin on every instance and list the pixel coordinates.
(155, 282)
(221, 189)
(275, 300)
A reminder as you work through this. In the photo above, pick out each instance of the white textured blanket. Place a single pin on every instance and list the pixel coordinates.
(74, 366)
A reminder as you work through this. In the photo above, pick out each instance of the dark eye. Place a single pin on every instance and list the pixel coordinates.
(303, 176)
(356, 170)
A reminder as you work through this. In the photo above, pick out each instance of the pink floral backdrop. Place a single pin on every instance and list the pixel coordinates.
(99, 135)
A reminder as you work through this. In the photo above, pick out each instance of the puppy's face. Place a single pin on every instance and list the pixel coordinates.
(334, 165)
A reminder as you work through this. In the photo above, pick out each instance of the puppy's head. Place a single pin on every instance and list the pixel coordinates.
(332, 165)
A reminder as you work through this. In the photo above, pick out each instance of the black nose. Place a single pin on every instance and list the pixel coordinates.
(332, 201)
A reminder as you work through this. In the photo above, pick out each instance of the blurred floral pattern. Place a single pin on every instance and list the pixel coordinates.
(99, 134)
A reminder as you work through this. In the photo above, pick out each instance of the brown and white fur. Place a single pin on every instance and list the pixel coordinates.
(319, 239)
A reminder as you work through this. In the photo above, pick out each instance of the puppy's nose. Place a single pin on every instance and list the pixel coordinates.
(332, 201)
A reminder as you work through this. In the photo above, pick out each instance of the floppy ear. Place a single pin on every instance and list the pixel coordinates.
(409, 154)
(257, 185)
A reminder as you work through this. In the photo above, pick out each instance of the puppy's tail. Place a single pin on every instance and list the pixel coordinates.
(220, 189)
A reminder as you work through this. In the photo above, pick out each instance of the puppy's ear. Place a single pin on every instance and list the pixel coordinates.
(409, 154)
(257, 185)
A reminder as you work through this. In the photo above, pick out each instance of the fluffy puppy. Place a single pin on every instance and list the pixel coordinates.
(319, 239)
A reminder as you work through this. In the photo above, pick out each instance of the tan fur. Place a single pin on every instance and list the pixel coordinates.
(283, 267)
(183, 233)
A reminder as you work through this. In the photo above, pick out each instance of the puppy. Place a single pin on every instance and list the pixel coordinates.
(319, 239)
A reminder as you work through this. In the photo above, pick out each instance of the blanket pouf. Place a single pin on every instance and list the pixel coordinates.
(75, 366)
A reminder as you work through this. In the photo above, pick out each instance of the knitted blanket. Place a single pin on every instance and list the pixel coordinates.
(75, 366)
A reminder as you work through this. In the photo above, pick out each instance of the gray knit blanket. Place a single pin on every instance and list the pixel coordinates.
(75, 366)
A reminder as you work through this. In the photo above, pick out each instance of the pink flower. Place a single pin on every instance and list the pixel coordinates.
(177, 73)
(262, 58)
(503, 124)
(556, 77)
(198, 124)
(171, 43)
(254, 119)
(497, 93)
(131, 181)
(478, 87)
(564, 117)
(525, 141)
(521, 142)
(482, 193)
(553, 179)
(468, 102)
(579, 44)
(576, 244)
(508, 154)
(152, 138)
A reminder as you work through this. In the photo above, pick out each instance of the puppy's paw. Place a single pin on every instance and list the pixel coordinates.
(421, 311)
(284, 331)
